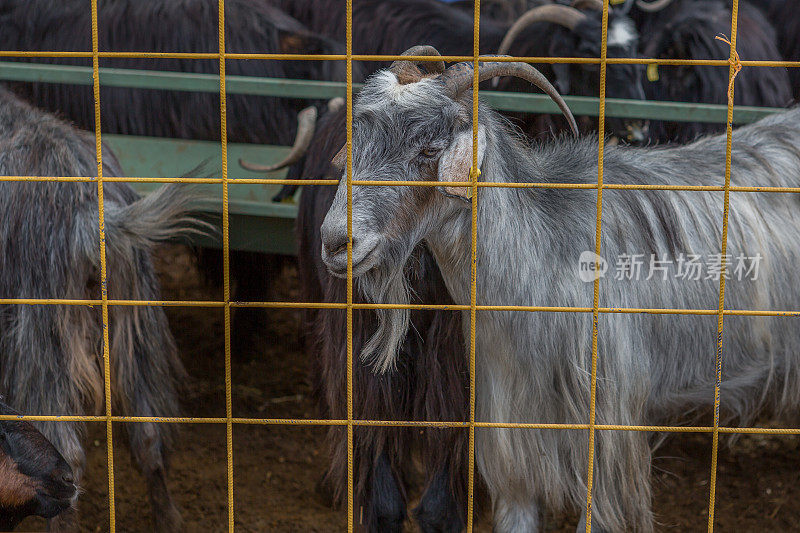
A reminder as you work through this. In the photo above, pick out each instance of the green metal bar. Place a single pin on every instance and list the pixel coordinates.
(257, 223)
(155, 157)
(174, 81)
(520, 102)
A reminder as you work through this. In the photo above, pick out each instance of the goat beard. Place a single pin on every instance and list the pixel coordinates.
(383, 285)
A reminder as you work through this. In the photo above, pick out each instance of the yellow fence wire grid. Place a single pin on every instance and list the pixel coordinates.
(734, 63)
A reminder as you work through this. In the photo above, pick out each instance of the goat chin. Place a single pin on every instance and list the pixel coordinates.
(390, 286)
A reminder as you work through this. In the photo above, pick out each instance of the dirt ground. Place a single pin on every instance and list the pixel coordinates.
(276, 468)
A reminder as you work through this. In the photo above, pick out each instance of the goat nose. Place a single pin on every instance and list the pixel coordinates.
(337, 244)
(68, 478)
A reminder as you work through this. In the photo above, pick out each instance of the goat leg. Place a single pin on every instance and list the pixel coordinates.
(438, 511)
(386, 510)
(166, 516)
(147, 448)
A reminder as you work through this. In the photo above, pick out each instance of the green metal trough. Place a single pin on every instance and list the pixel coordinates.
(257, 223)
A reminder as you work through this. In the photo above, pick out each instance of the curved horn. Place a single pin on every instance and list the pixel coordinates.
(596, 5)
(407, 71)
(335, 104)
(566, 16)
(306, 123)
(460, 77)
(652, 7)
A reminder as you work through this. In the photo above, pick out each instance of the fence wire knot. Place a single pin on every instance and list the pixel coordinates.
(735, 62)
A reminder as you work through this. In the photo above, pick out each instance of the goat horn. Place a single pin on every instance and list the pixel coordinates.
(461, 76)
(306, 123)
(407, 71)
(335, 104)
(596, 5)
(652, 7)
(566, 16)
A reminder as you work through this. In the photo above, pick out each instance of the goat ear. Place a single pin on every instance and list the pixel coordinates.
(339, 161)
(456, 162)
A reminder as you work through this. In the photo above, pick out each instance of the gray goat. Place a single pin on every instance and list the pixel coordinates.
(51, 355)
(535, 366)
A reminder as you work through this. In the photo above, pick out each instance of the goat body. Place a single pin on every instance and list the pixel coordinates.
(534, 367)
(49, 248)
(652, 369)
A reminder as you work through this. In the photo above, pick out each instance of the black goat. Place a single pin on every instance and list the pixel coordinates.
(430, 382)
(251, 26)
(168, 26)
(391, 27)
(784, 17)
(686, 29)
(34, 478)
(49, 248)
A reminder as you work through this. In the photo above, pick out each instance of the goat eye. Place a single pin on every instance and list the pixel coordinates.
(430, 151)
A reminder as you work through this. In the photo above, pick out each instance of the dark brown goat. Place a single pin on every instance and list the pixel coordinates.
(430, 382)
(34, 478)
(50, 248)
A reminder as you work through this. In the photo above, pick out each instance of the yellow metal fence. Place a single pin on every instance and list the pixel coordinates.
(229, 420)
